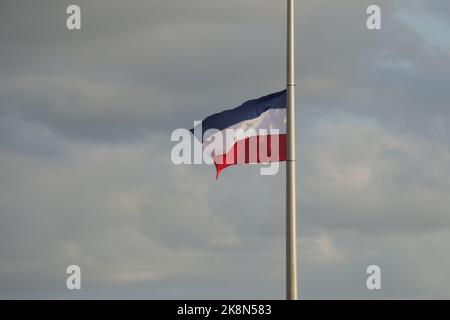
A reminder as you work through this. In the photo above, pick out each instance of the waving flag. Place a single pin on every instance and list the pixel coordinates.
(254, 132)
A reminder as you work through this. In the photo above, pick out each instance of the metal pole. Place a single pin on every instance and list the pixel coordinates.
(291, 234)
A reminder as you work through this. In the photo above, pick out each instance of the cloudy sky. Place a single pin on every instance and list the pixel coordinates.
(85, 170)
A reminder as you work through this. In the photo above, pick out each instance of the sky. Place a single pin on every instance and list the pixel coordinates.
(86, 176)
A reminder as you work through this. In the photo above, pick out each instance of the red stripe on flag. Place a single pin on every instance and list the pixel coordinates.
(256, 149)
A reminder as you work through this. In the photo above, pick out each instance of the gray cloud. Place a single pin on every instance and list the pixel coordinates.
(85, 172)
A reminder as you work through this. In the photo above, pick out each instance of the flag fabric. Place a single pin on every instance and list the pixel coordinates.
(254, 132)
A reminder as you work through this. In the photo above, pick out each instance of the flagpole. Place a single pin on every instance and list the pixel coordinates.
(291, 234)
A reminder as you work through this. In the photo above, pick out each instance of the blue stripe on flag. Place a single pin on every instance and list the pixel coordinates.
(248, 110)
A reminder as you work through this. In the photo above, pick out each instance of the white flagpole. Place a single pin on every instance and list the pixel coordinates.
(291, 234)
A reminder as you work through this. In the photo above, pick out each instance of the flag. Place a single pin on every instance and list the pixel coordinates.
(254, 132)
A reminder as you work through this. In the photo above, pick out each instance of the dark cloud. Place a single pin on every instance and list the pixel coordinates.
(85, 171)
